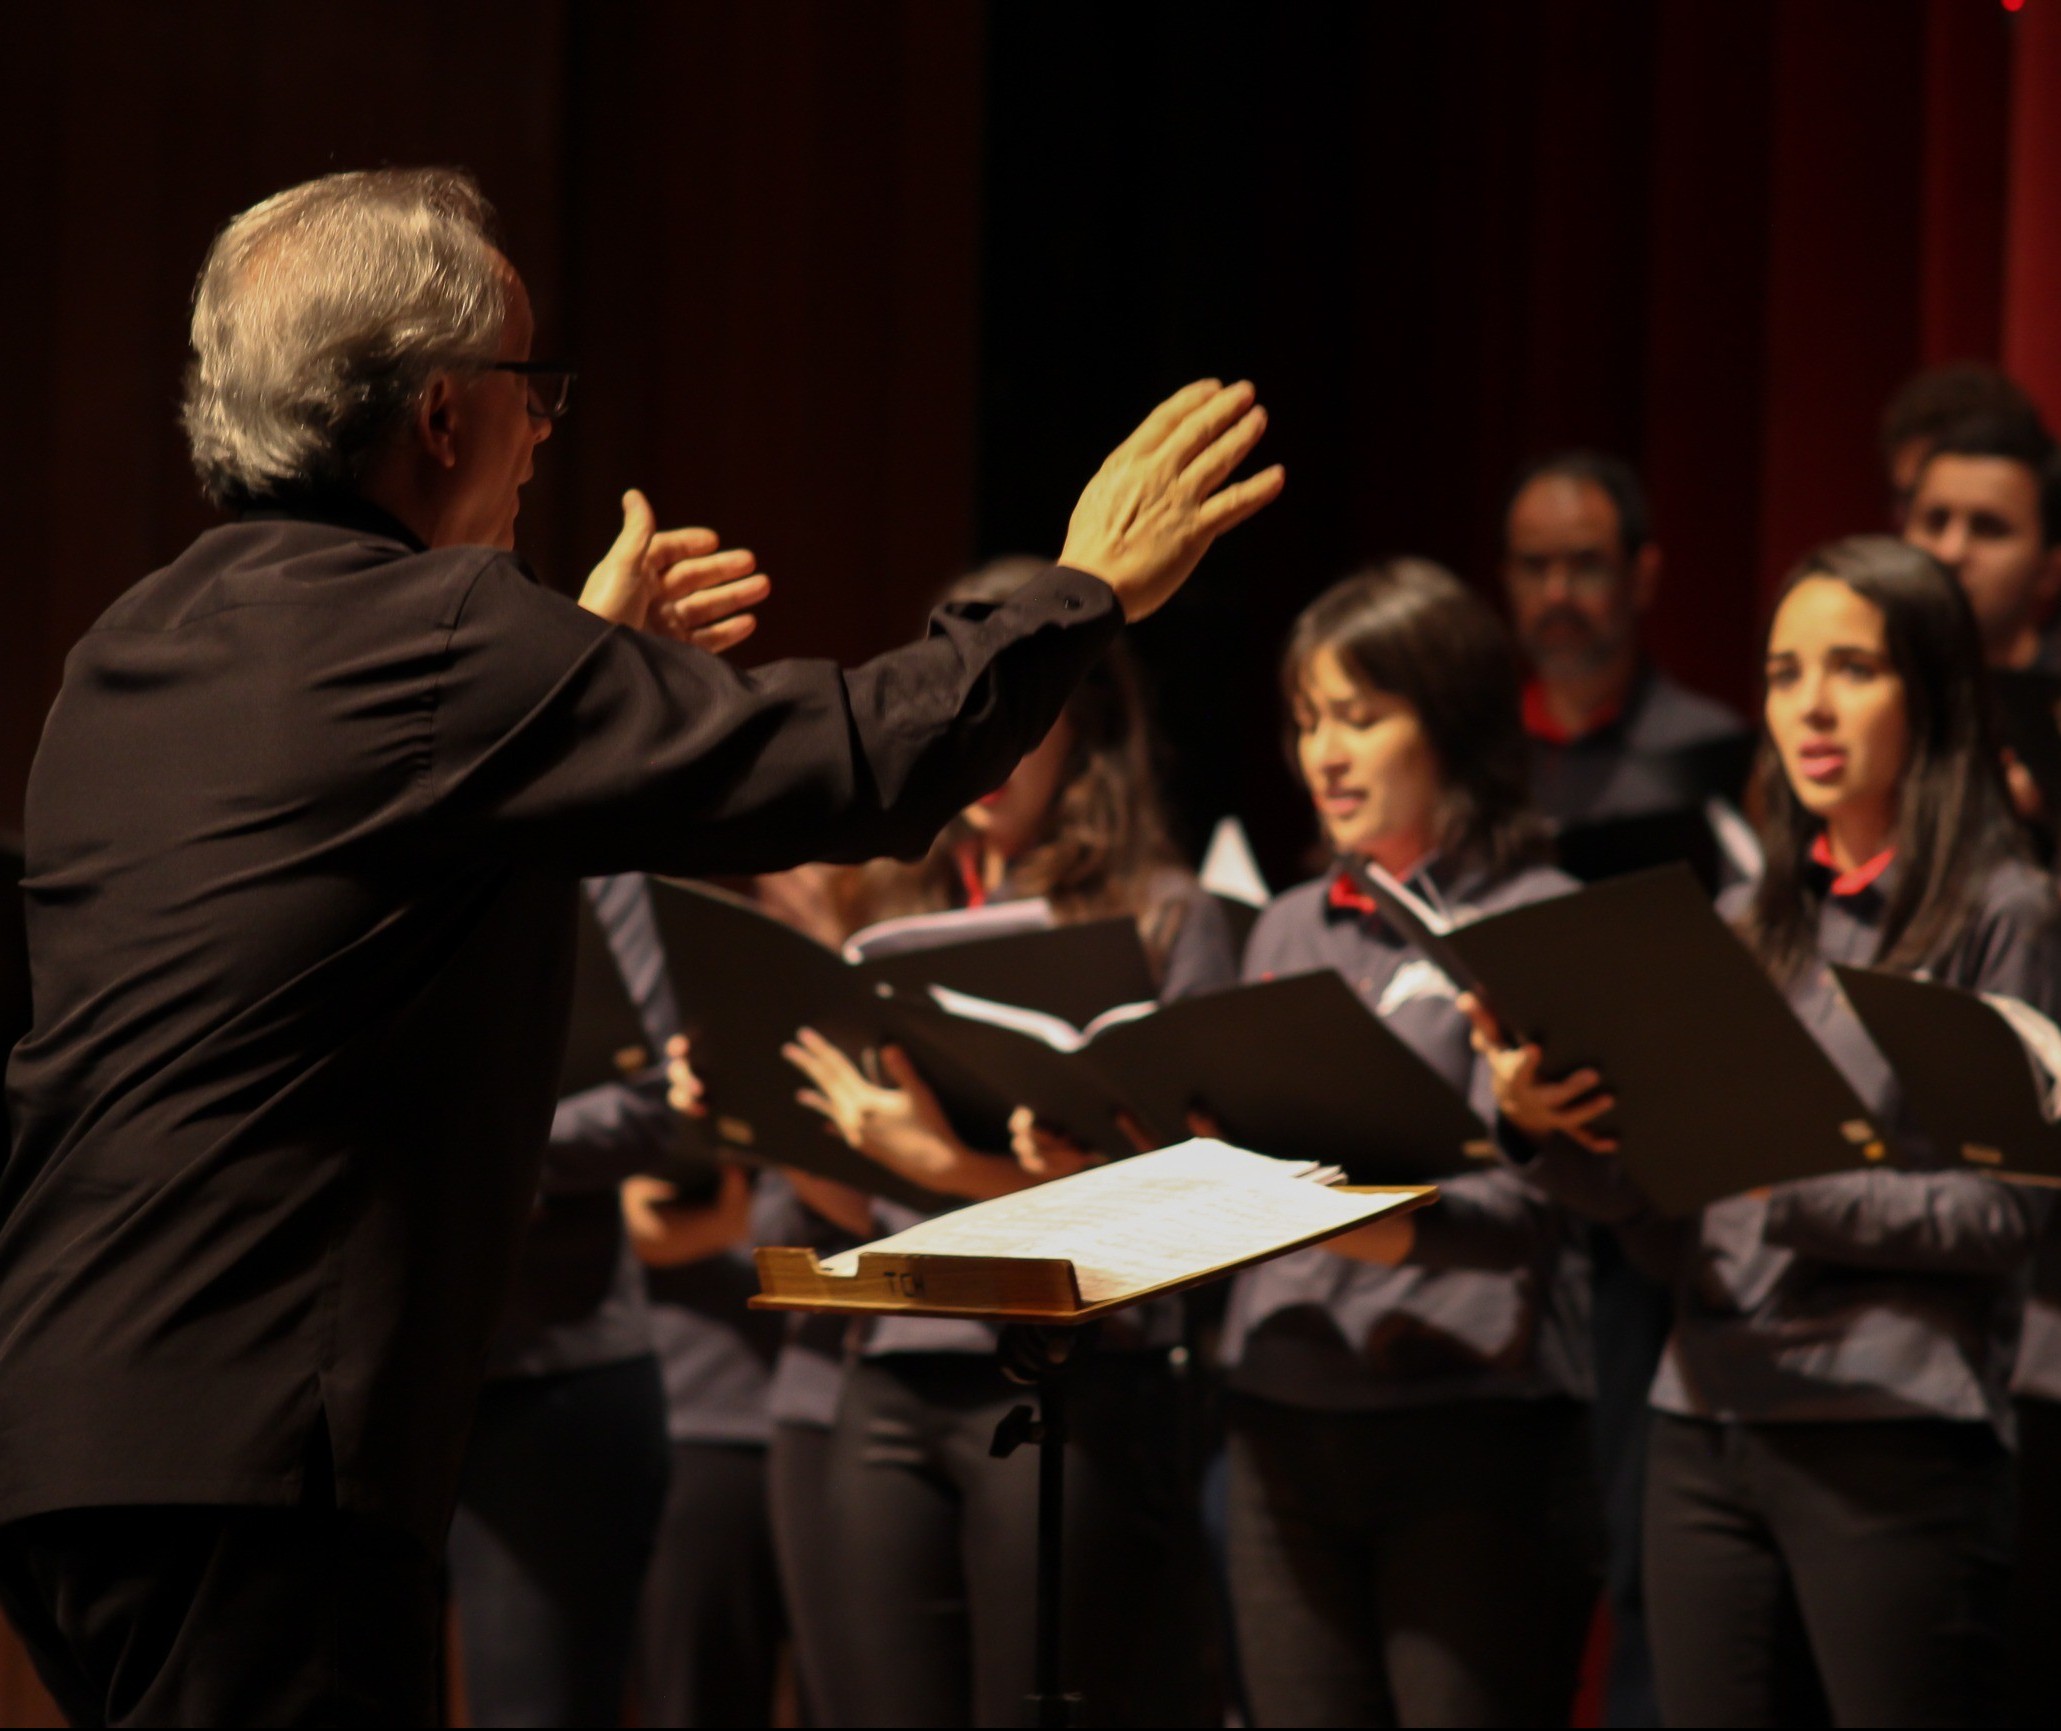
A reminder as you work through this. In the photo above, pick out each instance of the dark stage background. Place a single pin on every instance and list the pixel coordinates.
(872, 286)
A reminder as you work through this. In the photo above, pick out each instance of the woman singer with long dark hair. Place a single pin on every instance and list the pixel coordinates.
(1828, 1502)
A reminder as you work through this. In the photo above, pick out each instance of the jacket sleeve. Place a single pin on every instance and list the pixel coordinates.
(1489, 1219)
(1599, 1189)
(563, 741)
(1916, 1222)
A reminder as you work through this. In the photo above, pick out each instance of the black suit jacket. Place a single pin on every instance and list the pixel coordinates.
(304, 832)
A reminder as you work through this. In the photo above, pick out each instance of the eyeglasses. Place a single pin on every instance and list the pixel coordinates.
(550, 386)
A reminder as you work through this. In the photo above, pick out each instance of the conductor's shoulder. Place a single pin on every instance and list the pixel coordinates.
(272, 563)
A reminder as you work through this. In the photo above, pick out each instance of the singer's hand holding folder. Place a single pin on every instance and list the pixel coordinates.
(1979, 1074)
(1719, 1088)
(1084, 1245)
(745, 983)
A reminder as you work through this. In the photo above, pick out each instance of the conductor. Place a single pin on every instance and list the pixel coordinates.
(304, 834)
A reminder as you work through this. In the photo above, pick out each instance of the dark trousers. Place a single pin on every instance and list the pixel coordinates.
(1429, 1566)
(710, 1631)
(798, 1493)
(1631, 1319)
(2036, 1580)
(934, 1547)
(1796, 1570)
(225, 1616)
(558, 1510)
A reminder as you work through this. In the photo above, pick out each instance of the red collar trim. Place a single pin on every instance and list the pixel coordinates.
(969, 876)
(1348, 895)
(1853, 882)
(1541, 723)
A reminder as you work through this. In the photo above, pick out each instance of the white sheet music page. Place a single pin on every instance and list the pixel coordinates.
(1144, 1222)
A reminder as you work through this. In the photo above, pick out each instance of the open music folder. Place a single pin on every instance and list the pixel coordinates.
(1298, 1068)
(607, 1040)
(1719, 1088)
(1082, 1246)
(745, 982)
(1980, 1074)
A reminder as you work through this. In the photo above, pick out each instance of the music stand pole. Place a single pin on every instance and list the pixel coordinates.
(1038, 1357)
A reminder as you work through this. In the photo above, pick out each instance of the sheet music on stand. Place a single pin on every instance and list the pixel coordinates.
(1080, 1247)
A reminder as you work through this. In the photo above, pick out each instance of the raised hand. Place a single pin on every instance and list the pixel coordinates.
(1155, 506)
(679, 583)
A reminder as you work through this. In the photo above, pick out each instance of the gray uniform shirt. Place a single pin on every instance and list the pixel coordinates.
(1493, 1303)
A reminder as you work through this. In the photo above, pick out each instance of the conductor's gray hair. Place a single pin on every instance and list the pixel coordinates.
(320, 317)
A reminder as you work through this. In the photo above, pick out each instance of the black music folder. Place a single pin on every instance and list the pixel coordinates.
(607, 1040)
(2029, 710)
(745, 983)
(14, 966)
(1613, 847)
(1719, 1088)
(1968, 1074)
(1296, 1068)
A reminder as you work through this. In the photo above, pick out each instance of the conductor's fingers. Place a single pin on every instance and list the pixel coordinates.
(698, 609)
(633, 540)
(719, 639)
(668, 545)
(1153, 431)
(1207, 422)
(683, 576)
(1212, 466)
(1226, 510)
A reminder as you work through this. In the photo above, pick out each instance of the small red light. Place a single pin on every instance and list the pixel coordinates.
(2014, 5)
